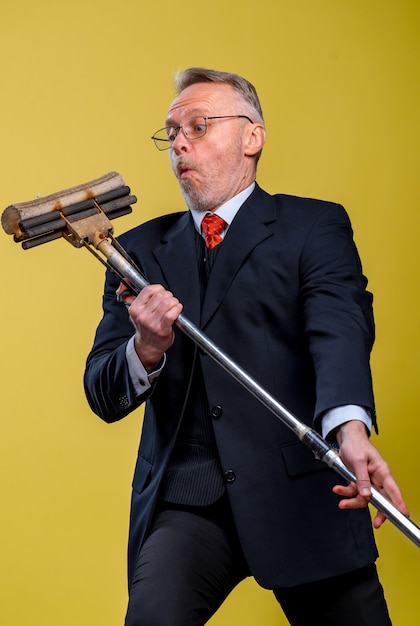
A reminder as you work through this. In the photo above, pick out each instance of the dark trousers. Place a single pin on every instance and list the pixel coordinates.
(191, 561)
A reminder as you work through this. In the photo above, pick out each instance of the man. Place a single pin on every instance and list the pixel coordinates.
(222, 490)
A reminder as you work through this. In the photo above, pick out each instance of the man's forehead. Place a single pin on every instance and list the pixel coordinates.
(200, 99)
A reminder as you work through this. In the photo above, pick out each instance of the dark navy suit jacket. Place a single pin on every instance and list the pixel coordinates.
(287, 300)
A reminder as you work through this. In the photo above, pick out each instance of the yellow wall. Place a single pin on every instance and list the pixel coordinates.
(84, 83)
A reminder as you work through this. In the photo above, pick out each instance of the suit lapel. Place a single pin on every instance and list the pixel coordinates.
(178, 261)
(177, 255)
(248, 230)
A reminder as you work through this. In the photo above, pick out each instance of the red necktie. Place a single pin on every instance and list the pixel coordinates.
(212, 225)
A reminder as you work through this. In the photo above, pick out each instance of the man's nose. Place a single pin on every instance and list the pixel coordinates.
(181, 143)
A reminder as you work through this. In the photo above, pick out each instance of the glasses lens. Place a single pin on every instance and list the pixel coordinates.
(195, 127)
(161, 139)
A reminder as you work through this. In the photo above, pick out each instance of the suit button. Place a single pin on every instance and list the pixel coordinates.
(230, 476)
(216, 412)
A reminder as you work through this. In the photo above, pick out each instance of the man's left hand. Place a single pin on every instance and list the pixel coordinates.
(370, 469)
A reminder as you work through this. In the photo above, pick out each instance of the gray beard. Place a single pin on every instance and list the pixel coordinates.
(195, 200)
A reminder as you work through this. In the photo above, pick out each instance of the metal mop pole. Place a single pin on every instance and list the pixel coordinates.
(322, 450)
(82, 216)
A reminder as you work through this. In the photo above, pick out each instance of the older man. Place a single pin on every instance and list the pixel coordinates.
(222, 490)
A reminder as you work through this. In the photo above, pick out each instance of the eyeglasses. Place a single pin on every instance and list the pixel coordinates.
(194, 128)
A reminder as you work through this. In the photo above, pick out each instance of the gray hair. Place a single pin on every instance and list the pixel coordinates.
(243, 87)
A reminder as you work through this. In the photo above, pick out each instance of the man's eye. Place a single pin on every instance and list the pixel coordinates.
(172, 133)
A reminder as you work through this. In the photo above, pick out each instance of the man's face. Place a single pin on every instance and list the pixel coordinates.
(213, 168)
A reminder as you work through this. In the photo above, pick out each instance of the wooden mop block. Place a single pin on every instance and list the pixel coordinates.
(16, 213)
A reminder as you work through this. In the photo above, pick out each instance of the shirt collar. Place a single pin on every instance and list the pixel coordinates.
(227, 211)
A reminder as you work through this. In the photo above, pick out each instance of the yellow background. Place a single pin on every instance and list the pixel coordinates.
(84, 83)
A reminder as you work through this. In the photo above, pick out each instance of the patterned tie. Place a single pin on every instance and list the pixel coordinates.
(212, 225)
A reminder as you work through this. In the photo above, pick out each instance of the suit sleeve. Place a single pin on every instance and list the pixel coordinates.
(338, 314)
(108, 386)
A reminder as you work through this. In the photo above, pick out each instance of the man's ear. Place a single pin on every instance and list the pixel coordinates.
(254, 138)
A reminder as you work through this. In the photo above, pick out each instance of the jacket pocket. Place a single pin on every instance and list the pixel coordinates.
(141, 475)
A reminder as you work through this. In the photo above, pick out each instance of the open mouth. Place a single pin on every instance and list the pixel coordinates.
(184, 169)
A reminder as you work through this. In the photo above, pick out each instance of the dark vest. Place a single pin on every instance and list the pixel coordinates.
(194, 476)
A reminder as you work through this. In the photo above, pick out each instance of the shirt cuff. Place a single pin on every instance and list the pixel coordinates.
(141, 379)
(342, 414)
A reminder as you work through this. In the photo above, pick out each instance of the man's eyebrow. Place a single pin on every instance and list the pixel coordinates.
(197, 111)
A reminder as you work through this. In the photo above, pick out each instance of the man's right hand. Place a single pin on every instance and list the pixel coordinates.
(153, 313)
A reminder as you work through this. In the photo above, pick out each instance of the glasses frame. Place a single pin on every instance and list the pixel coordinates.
(160, 142)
